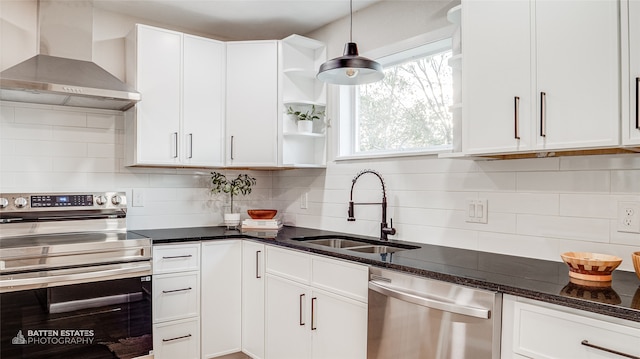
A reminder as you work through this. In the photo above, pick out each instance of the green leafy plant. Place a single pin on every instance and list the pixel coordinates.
(308, 115)
(240, 185)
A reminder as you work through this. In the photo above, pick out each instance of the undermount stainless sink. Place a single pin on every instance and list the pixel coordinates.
(376, 249)
(356, 245)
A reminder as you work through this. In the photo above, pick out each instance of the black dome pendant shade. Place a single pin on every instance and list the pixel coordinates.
(350, 68)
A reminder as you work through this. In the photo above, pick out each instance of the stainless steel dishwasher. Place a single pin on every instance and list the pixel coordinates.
(415, 317)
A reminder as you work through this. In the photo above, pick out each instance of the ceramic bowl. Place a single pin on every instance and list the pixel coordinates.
(591, 266)
(262, 213)
(635, 257)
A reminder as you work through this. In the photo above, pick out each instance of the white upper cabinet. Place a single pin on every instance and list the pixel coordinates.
(540, 76)
(496, 88)
(252, 104)
(630, 18)
(577, 74)
(203, 102)
(178, 122)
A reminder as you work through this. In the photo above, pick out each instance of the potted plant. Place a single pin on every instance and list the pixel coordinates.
(240, 185)
(305, 118)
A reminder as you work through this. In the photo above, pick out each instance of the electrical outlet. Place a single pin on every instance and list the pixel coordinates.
(304, 200)
(477, 211)
(138, 197)
(629, 217)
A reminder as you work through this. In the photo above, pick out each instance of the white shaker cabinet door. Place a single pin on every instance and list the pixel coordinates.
(221, 297)
(253, 278)
(577, 99)
(288, 319)
(631, 84)
(252, 103)
(158, 76)
(203, 102)
(496, 60)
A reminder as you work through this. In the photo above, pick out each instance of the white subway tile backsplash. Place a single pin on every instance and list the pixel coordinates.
(627, 181)
(61, 118)
(537, 207)
(564, 181)
(586, 229)
(519, 202)
(587, 205)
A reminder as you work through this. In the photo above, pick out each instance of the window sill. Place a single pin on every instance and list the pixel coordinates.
(382, 155)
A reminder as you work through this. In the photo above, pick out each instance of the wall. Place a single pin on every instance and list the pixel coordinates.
(538, 208)
(55, 149)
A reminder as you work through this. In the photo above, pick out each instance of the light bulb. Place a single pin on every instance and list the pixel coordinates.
(351, 73)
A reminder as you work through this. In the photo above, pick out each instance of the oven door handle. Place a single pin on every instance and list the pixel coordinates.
(10, 285)
(414, 298)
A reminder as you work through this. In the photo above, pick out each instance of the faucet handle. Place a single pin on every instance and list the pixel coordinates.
(389, 230)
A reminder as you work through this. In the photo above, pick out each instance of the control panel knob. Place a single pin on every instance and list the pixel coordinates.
(4, 202)
(100, 200)
(20, 202)
(116, 200)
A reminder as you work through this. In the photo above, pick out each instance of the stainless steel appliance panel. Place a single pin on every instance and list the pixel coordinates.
(413, 317)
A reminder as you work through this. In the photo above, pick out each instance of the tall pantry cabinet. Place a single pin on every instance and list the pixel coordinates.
(178, 122)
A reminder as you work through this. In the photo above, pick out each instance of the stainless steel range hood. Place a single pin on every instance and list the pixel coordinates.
(72, 79)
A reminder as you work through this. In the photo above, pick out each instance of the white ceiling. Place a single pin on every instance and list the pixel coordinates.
(238, 19)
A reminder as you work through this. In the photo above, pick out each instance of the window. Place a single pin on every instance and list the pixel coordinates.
(408, 111)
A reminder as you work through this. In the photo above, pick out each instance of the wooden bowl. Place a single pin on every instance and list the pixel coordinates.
(635, 257)
(591, 266)
(262, 213)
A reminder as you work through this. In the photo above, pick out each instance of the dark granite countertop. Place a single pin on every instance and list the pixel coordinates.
(542, 280)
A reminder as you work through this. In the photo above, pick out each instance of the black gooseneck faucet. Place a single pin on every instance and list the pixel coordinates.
(384, 230)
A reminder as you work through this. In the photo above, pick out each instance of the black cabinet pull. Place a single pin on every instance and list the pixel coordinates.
(301, 304)
(176, 290)
(176, 338)
(586, 343)
(516, 117)
(543, 114)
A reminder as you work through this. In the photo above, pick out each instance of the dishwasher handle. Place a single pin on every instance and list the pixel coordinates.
(429, 302)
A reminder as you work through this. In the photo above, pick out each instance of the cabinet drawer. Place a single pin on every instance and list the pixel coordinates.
(289, 264)
(178, 339)
(347, 279)
(176, 296)
(176, 258)
(541, 332)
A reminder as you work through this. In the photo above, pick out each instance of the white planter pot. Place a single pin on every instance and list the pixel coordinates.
(231, 220)
(305, 126)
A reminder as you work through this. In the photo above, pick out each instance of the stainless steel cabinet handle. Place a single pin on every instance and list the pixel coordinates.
(429, 302)
(175, 145)
(638, 103)
(177, 290)
(73, 278)
(191, 145)
(586, 343)
(543, 114)
(301, 307)
(174, 257)
(516, 117)
(258, 264)
(176, 338)
(313, 311)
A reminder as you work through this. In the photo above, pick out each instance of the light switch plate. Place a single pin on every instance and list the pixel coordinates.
(477, 211)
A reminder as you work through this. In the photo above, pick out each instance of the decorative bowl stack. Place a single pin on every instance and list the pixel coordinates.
(591, 266)
(635, 257)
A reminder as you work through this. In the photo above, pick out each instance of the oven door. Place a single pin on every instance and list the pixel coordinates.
(97, 319)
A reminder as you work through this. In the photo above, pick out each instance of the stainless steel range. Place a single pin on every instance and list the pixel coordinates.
(73, 281)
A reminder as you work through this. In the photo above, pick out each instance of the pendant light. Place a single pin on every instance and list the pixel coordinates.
(350, 68)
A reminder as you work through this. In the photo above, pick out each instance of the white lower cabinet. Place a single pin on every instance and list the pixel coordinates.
(309, 316)
(177, 339)
(253, 278)
(539, 330)
(176, 301)
(221, 297)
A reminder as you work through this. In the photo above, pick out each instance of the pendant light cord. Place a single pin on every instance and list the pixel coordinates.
(351, 22)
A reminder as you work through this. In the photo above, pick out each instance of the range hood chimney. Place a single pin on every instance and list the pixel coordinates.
(62, 73)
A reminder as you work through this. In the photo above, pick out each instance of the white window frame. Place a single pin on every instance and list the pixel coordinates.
(345, 98)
